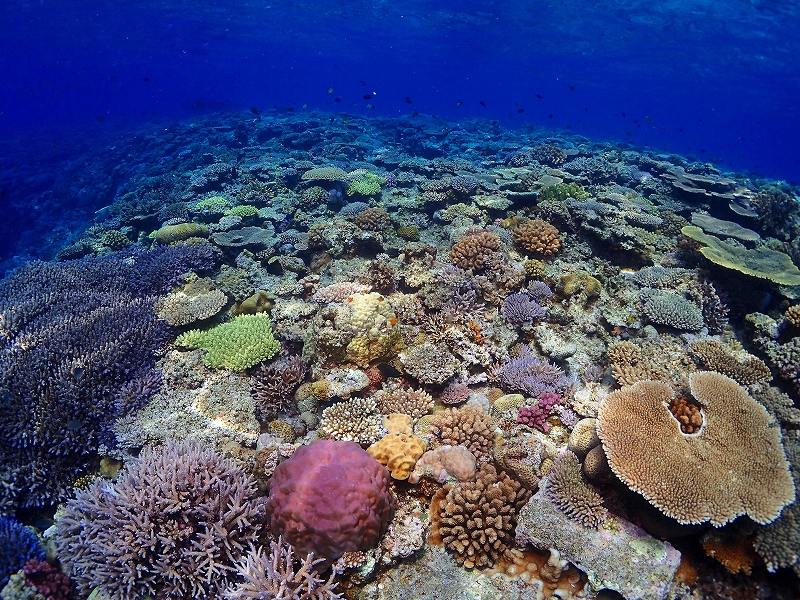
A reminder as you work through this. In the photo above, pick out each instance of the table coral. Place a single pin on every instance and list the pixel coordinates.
(330, 498)
(751, 477)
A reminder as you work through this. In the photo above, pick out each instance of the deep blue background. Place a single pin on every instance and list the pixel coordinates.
(713, 78)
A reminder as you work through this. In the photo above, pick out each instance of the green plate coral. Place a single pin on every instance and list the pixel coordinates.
(758, 262)
(237, 345)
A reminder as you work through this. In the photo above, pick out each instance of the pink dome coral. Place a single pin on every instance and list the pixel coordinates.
(329, 498)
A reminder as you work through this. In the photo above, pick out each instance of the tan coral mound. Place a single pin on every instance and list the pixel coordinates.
(734, 465)
(467, 427)
(569, 491)
(476, 520)
(473, 250)
(538, 236)
(745, 370)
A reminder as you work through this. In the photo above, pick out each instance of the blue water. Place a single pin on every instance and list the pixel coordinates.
(716, 81)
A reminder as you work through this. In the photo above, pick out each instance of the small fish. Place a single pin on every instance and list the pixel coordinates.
(363, 82)
(481, 102)
(550, 116)
(459, 104)
(569, 126)
(73, 425)
(370, 106)
(623, 114)
(305, 106)
(254, 110)
(345, 121)
(337, 99)
(572, 88)
(77, 373)
(44, 523)
(628, 133)
(408, 100)
(330, 90)
(388, 370)
(145, 79)
(520, 110)
(539, 96)
(367, 96)
(649, 118)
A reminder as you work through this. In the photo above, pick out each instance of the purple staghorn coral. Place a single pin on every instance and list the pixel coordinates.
(77, 349)
(520, 310)
(529, 375)
(173, 525)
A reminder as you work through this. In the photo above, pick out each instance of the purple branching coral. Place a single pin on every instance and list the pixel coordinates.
(274, 576)
(538, 291)
(529, 375)
(173, 525)
(535, 416)
(520, 310)
(78, 343)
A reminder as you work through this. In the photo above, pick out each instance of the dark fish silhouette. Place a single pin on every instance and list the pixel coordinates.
(414, 113)
(572, 88)
(550, 116)
(254, 110)
(459, 104)
(520, 110)
(363, 82)
(337, 99)
(370, 106)
(408, 100)
(145, 79)
(367, 96)
(481, 102)
(539, 96)
(388, 370)
(77, 373)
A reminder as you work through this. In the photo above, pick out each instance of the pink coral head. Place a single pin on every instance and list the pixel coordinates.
(548, 400)
(329, 498)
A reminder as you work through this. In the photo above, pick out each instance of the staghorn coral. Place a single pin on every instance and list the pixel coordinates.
(529, 375)
(538, 236)
(567, 489)
(750, 477)
(179, 308)
(273, 575)
(396, 399)
(520, 310)
(474, 249)
(273, 385)
(464, 426)
(398, 452)
(355, 420)
(73, 335)
(745, 370)
(330, 498)
(476, 519)
(454, 393)
(171, 526)
(237, 345)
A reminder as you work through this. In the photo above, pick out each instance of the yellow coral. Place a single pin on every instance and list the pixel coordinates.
(399, 452)
(398, 423)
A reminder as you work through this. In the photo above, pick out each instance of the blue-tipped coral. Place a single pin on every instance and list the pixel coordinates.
(20, 545)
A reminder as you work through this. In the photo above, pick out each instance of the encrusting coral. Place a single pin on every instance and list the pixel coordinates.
(648, 451)
(172, 525)
(476, 519)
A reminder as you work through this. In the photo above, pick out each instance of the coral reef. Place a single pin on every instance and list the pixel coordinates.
(395, 399)
(567, 489)
(274, 383)
(635, 425)
(745, 370)
(20, 544)
(355, 420)
(172, 525)
(474, 249)
(330, 498)
(466, 427)
(529, 375)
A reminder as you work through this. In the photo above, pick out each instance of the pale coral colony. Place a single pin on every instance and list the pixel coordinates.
(326, 363)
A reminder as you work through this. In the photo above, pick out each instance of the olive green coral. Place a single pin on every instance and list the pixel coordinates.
(367, 184)
(758, 262)
(237, 345)
(561, 191)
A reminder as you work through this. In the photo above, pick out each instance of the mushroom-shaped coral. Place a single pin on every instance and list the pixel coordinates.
(399, 452)
(330, 498)
(702, 476)
(474, 249)
(538, 236)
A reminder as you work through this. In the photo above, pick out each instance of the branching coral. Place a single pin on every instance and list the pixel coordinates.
(172, 526)
(538, 236)
(474, 249)
(274, 383)
(396, 399)
(567, 489)
(529, 375)
(20, 544)
(464, 426)
(745, 370)
(273, 575)
(355, 420)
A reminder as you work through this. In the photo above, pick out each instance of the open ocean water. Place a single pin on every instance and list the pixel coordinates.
(558, 241)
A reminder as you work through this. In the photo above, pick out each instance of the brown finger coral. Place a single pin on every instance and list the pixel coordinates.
(538, 236)
(567, 489)
(734, 465)
(745, 371)
(467, 427)
(474, 249)
(476, 520)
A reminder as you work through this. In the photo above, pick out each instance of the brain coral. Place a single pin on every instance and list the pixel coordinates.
(538, 236)
(330, 498)
(238, 344)
(734, 465)
(474, 249)
(476, 519)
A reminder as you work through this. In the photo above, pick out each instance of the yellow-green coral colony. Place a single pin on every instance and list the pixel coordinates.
(238, 344)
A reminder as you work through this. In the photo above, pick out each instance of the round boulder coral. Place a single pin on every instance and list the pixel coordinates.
(538, 236)
(329, 498)
(473, 250)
